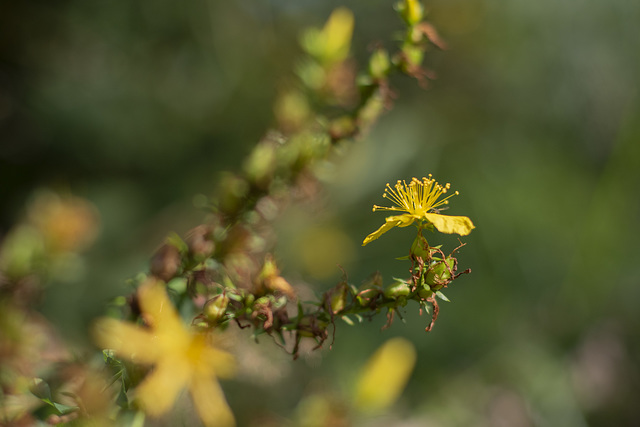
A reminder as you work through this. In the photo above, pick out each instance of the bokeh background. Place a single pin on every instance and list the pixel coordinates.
(138, 107)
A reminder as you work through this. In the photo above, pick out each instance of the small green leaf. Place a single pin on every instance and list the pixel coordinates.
(347, 320)
(179, 285)
(177, 242)
(235, 297)
(442, 296)
(41, 390)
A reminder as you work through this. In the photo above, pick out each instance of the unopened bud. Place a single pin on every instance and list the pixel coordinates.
(215, 309)
(261, 163)
(232, 191)
(200, 242)
(413, 55)
(440, 273)
(310, 326)
(367, 295)
(411, 11)
(425, 292)
(396, 290)
(165, 262)
(269, 280)
(338, 297)
(379, 64)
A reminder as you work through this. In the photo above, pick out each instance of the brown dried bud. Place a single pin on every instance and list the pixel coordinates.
(200, 243)
(270, 281)
(165, 262)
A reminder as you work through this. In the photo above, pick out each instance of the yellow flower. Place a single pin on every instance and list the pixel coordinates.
(180, 358)
(385, 375)
(419, 199)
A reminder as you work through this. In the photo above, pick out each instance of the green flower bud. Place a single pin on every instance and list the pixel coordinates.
(367, 295)
(216, 307)
(425, 292)
(396, 290)
(310, 326)
(342, 127)
(331, 44)
(413, 55)
(249, 299)
(338, 297)
(379, 64)
(231, 192)
(263, 301)
(261, 163)
(439, 274)
(411, 11)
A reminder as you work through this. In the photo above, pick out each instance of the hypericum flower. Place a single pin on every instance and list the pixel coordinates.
(180, 358)
(385, 375)
(419, 199)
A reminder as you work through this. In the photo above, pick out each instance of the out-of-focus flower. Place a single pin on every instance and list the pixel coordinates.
(419, 199)
(322, 410)
(180, 358)
(385, 375)
(67, 223)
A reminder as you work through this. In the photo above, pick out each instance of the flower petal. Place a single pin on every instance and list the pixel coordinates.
(450, 224)
(159, 390)
(392, 221)
(210, 402)
(221, 363)
(127, 340)
(385, 375)
(161, 314)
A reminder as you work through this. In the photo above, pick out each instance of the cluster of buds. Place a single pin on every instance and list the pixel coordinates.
(419, 36)
(266, 307)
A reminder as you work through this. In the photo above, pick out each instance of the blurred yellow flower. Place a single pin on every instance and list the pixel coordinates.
(181, 359)
(67, 223)
(385, 375)
(419, 199)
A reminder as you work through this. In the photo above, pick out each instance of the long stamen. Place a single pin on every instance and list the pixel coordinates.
(416, 198)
